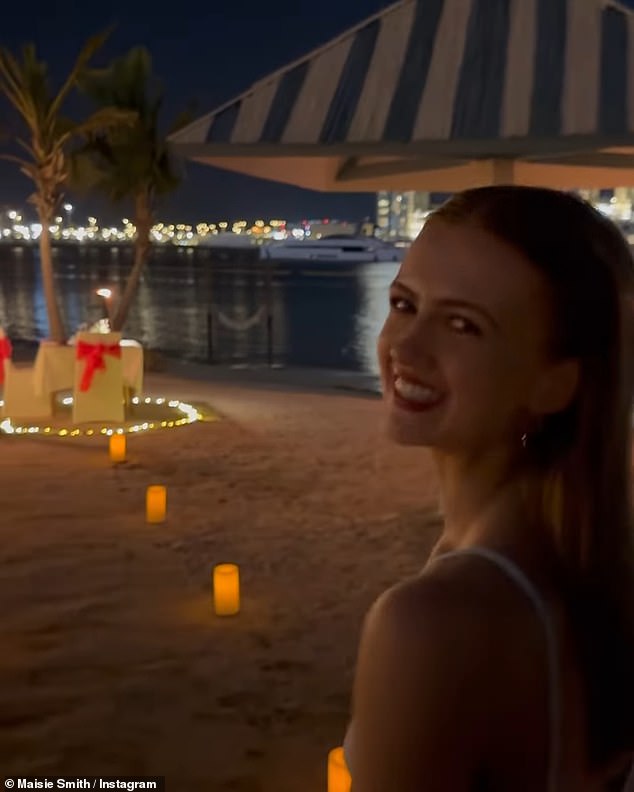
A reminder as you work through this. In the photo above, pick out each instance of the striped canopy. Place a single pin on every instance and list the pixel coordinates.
(442, 95)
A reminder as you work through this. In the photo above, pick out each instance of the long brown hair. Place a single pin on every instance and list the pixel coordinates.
(583, 454)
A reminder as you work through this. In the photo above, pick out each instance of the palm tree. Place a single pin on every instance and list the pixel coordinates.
(133, 163)
(25, 84)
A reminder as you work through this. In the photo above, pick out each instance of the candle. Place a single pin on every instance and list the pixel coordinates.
(156, 503)
(339, 779)
(117, 448)
(226, 589)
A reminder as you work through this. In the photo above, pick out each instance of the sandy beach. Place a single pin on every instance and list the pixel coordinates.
(113, 661)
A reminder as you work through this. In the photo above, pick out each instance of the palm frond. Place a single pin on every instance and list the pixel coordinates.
(16, 160)
(84, 173)
(29, 171)
(131, 160)
(93, 45)
(12, 85)
(124, 83)
(100, 121)
(27, 147)
(35, 82)
(184, 118)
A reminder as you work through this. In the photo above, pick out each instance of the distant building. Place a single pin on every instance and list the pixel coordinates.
(401, 215)
(616, 204)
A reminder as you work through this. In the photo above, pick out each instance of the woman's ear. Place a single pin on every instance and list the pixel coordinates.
(556, 388)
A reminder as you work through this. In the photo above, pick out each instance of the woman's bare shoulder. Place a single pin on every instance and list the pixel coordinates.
(463, 618)
(424, 685)
(450, 619)
(455, 594)
(444, 667)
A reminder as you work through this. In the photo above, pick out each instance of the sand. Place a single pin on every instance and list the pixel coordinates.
(112, 659)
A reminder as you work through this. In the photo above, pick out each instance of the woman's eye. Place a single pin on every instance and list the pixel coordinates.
(463, 325)
(400, 304)
(458, 323)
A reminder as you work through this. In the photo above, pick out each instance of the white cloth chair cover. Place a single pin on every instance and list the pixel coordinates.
(104, 398)
(20, 399)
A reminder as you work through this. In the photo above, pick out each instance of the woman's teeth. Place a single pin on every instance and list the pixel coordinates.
(416, 393)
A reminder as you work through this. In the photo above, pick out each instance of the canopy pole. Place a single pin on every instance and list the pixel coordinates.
(502, 171)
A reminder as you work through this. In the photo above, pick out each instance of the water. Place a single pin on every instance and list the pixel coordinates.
(322, 315)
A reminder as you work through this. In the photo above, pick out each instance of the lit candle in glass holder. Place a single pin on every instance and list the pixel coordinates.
(226, 590)
(156, 503)
(339, 779)
(117, 448)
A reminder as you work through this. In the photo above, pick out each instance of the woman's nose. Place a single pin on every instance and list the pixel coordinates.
(412, 344)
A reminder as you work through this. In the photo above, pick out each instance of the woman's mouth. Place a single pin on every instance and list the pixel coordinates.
(415, 396)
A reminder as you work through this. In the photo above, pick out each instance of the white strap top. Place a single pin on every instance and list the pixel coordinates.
(515, 574)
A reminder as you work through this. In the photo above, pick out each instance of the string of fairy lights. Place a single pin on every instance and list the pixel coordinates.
(188, 412)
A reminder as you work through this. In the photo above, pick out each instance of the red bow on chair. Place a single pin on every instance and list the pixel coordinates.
(5, 354)
(93, 354)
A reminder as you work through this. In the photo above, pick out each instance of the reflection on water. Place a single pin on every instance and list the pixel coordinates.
(369, 321)
(194, 306)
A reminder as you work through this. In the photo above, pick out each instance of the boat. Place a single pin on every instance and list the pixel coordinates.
(335, 248)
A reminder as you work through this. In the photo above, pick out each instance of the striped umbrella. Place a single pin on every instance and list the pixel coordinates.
(441, 95)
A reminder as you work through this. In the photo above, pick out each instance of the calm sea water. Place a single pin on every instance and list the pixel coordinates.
(202, 306)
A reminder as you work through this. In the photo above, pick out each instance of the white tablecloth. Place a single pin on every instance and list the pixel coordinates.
(54, 368)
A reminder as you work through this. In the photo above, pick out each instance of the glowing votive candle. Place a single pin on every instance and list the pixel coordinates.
(226, 590)
(339, 779)
(117, 448)
(156, 503)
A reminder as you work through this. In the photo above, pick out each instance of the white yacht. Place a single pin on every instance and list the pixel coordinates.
(336, 248)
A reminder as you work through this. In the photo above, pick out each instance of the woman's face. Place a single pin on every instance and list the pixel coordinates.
(463, 344)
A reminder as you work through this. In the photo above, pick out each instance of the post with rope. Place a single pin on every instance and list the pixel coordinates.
(269, 311)
(269, 335)
(210, 337)
(240, 322)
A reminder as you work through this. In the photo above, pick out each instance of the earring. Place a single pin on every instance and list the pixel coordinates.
(532, 433)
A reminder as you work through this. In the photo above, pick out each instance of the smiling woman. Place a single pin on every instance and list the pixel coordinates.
(508, 663)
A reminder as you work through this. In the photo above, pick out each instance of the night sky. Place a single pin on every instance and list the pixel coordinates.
(207, 52)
